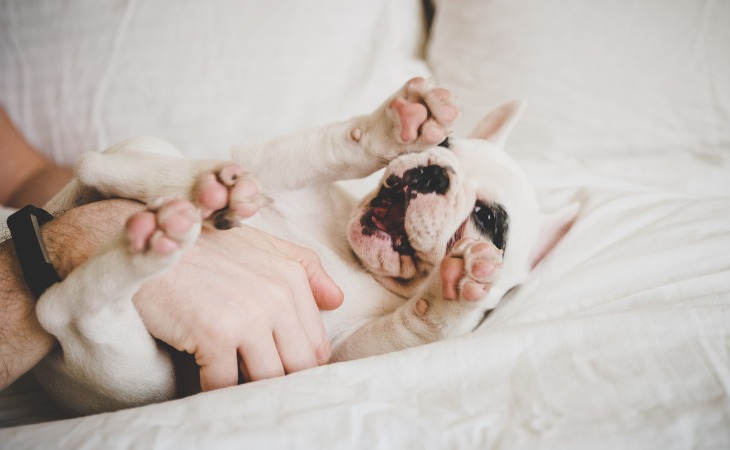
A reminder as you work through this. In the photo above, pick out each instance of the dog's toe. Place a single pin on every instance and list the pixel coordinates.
(228, 195)
(174, 225)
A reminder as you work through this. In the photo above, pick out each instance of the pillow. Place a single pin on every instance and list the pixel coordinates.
(81, 75)
(600, 76)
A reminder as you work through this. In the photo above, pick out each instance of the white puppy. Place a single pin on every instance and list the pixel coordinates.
(449, 230)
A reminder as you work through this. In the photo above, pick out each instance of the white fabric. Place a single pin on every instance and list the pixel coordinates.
(5, 213)
(82, 75)
(620, 339)
(610, 77)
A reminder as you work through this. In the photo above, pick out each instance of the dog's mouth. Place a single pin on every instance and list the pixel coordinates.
(387, 211)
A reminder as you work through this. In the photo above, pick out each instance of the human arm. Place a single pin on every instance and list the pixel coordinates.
(187, 306)
(70, 239)
(28, 176)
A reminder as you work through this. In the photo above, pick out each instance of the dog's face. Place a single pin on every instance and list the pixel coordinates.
(428, 201)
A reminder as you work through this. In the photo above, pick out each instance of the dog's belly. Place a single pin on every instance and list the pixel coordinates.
(364, 297)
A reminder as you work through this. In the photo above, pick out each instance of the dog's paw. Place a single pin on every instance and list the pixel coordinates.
(159, 235)
(470, 270)
(163, 230)
(228, 195)
(421, 115)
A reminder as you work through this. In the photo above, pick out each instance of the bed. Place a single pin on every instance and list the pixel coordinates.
(619, 339)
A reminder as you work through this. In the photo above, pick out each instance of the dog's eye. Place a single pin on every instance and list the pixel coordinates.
(485, 216)
(492, 221)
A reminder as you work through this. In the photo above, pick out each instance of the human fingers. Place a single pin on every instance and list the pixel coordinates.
(218, 369)
(327, 294)
(306, 318)
(260, 358)
(296, 350)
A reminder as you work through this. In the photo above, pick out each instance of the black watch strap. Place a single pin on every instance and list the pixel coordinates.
(25, 228)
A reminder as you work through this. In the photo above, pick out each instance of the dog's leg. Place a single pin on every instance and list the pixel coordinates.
(454, 304)
(107, 360)
(413, 119)
(148, 169)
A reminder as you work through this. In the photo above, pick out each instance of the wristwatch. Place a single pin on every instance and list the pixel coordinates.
(25, 229)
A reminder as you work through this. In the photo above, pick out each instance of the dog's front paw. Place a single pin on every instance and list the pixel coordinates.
(420, 115)
(228, 195)
(470, 270)
(466, 278)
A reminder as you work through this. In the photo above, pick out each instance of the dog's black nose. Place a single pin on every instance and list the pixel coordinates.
(427, 179)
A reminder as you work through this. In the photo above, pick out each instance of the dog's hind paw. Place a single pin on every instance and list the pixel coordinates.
(163, 230)
(228, 195)
(422, 115)
(471, 269)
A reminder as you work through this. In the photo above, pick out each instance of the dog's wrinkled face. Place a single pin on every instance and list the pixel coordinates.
(428, 201)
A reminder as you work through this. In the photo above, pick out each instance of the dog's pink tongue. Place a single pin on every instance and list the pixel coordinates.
(389, 219)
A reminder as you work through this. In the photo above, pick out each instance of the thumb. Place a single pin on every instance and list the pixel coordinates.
(326, 293)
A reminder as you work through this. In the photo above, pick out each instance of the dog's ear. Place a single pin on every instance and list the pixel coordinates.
(553, 227)
(496, 126)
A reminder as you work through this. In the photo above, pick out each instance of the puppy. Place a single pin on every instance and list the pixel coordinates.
(452, 226)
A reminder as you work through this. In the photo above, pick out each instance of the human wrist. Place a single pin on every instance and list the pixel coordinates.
(73, 236)
(23, 342)
(70, 239)
(25, 229)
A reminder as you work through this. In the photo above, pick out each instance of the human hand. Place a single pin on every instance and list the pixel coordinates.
(242, 294)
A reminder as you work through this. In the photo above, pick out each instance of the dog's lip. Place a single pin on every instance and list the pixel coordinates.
(457, 236)
(372, 224)
(385, 214)
(401, 244)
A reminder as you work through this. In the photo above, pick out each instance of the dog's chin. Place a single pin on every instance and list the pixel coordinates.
(383, 252)
(387, 253)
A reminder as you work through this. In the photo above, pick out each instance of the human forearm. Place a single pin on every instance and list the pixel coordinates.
(70, 239)
(230, 291)
(27, 176)
(22, 340)
(41, 185)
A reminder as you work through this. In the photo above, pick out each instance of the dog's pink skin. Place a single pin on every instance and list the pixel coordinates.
(423, 114)
(478, 261)
(162, 231)
(227, 187)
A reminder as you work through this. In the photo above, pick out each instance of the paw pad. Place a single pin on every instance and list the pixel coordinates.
(470, 270)
(228, 195)
(422, 115)
(170, 227)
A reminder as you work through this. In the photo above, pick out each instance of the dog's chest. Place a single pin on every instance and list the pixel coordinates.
(364, 297)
